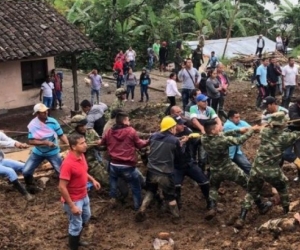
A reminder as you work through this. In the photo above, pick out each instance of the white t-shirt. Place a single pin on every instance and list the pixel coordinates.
(260, 43)
(290, 74)
(47, 89)
(130, 55)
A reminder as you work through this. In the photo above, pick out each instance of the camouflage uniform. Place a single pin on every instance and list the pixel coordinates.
(97, 168)
(117, 104)
(221, 166)
(266, 166)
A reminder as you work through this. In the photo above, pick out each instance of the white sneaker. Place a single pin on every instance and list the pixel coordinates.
(125, 100)
(132, 100)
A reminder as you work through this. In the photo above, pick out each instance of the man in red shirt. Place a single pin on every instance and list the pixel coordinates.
(121, 142)
(73, 188)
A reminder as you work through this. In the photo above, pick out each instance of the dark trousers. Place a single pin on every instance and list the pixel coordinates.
(99, 125)
(262, 93)
(144, 90)
(172, 101)
(272, 90)
(185, 95)
(259, 51)
(130, 89)
(119, 81)
(214, 103)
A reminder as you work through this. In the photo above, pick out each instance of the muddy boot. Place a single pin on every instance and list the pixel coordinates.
(73, 242)
(286, 209)
(263, 208)
(241, 221)
(212, 210)
(140, 216)
(22, 190)
(175, 212)
(178, 196)
(31, 187)
(81, 242)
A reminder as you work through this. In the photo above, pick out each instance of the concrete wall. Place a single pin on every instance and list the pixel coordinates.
(11, 93)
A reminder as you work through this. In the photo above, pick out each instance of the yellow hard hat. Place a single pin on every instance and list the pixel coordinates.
(167, 123)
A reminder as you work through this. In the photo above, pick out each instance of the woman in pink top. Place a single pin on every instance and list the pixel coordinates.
(223, 79)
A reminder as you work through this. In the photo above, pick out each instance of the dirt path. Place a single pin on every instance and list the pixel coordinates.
(43, 225)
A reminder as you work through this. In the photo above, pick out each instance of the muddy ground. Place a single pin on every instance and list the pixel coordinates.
(43, 225)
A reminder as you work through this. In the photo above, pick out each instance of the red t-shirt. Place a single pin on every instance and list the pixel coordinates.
(75, 170)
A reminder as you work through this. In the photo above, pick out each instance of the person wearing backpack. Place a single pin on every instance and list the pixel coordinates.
(145, 81)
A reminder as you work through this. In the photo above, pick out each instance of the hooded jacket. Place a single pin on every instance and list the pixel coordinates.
(121, 143)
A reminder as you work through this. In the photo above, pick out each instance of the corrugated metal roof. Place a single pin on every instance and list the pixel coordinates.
(244, 45)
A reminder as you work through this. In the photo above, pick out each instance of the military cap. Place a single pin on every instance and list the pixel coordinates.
(120, 91)
(78, 120)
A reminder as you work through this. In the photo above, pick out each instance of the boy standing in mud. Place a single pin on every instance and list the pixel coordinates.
(72, 186)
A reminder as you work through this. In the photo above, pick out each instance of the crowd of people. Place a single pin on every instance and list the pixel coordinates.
(193, 141)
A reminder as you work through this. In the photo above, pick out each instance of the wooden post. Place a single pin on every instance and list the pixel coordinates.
(75, 82)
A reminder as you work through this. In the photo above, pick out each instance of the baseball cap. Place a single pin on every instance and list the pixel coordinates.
(178, 120)
(40, 107)
(268, 100)
(201, 98)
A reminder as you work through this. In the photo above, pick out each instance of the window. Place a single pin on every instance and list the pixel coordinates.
(33, 73)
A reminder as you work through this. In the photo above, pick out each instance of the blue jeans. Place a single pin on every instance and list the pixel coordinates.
(132, 64)
(35, 160)
(185, 95)
(289, 155)
(150, 63)
(76, 221)
(144, 90)
(192, 171)
(8, 168)
(130, 89)
(47, 101)
(119, 81)
(242, 162)
(287, 95)
(97, 93)
(131, 176)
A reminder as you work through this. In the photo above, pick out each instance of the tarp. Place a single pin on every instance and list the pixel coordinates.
(244, 45)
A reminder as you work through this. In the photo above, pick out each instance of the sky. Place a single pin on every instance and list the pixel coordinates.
(271, 6)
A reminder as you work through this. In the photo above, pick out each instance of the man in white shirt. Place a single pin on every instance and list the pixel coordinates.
(289, 80)
(260, 45)
(46, 93)
(96, 84)
(131, 55)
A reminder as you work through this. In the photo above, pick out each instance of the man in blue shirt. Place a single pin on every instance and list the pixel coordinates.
(43, 133)
(234, 122)
(213, 61)
(262, 84)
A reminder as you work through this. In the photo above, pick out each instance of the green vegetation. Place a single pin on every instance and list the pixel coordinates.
(117, 24)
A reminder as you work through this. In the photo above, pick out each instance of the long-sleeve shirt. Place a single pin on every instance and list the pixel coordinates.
(273, 73)
(187, 80)
(171, 88)
(6, 142)
(228, 126)
(131, 80)
(211, 88)
(96, 112)
(217, 146)
(266, 115)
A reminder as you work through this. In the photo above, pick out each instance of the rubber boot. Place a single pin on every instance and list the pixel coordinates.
(30, 185)
(140, 216)
(286, 209)
(81, 242)
(175, 213)
(241, 221)
(73, 242)
(60, 104)
(212, 210)
(205, 191)
(178, 196)
(22, 190)
(263, 208)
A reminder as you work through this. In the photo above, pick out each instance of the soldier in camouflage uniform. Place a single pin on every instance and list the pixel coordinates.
(96, 167)
(217, 145)
(266, 166)
(118, 103)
